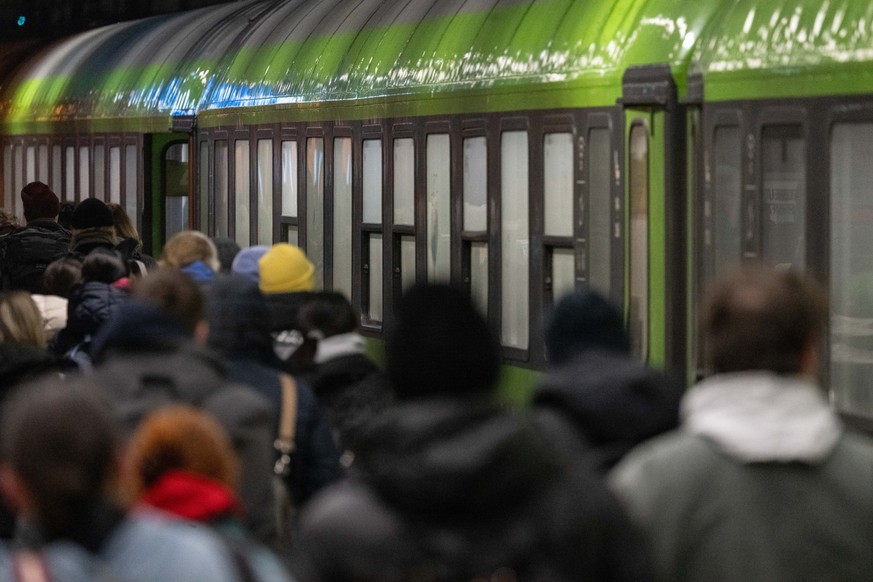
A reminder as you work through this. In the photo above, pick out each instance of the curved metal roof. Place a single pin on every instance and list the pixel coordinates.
(296, 52)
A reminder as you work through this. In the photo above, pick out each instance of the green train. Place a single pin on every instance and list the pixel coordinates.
(518, 147)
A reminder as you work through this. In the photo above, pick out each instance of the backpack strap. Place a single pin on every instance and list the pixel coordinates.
(285, 447)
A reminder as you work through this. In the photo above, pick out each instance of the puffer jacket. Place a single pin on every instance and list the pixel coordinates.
(91, 304)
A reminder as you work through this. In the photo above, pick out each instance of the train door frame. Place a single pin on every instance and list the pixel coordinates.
(649, 99)
(155, 148)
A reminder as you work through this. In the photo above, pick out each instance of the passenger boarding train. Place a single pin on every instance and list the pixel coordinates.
(518, 147)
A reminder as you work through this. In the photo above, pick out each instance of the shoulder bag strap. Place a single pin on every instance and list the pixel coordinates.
(284, 443)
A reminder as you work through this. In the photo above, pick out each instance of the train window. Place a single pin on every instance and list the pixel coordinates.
(9, 192)
(292, 236)
(30, 161)
(372, 168)
(404, 182)
(599, 210)
(130, 189)
(242, 191)
(220, 173)
(70, 175)
(851, 267)
(373, 307)
(475, 184)
(407, 262)
(439, 232)
(342, 215)
(100, 171)
(558, 183)
(478, 258)
(289, 178)
(42, 173)
(57, 156)
(84, 172)
(727, 210)
(784, 195)
(204, 185)
(265, 191)
(115, 174)
(315, 206)
(515, 239)
(563, 271)
(639, 240)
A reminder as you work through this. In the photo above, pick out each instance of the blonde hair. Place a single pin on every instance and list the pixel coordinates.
(21, 320)
(124, 227)
(190, 246)
(179, 438)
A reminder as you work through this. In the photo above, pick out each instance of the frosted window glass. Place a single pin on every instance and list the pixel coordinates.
(100, 171)
(599, 211)
(558, 183)
(242, 192)
(851, 267)
(18, 173)
(372, 181)
(315, 206)
(563, 272)
(728, 189)
(515, 239)
(289, 178)
(115, 174)
(265, 191)
(407, 262)
(221, 195)
(130, 182)
(475, 184)
(70, 182)
(639, 240)
(176, 214)
(30, 171)
(439, 232)
(84, 173)
(204, 186)
(784, 195)
(292, 236)
(342, 215)
(43, 164)
(404, 182)
(479, 276)
(57, 176)
(374, 302)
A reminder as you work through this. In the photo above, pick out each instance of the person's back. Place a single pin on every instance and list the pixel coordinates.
(761, 482)
(26, 252)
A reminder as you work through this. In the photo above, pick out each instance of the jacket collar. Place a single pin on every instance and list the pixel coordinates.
(344, 344)
(763, 417)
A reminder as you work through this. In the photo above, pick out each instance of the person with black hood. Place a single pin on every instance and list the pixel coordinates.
(92, 227)
(26, 252)
(613, 401)
(451, 486)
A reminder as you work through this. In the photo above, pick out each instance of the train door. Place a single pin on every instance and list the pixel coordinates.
(655, 225)
(168, 210)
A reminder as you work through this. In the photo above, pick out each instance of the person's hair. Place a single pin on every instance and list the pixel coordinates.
(124, 227)
(103, 265)
(174, 293)
(329, 313)
(179, 438)
(440, 345)
(226, 249)
(20, 319)
(61, 276)
(61, 441)
(7, 217)
(189, 246)
(758, 317)
(65, 216)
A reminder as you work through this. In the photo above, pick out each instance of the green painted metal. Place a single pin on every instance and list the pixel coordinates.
(159, 144)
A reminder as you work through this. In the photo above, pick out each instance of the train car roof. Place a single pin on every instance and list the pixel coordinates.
(298, 57)
(787, 48)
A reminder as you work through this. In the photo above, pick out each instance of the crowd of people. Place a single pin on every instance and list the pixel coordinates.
(212, 416)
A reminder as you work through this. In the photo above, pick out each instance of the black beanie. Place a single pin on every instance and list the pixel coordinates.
(584, 320)
(91, 213)
(440, 345)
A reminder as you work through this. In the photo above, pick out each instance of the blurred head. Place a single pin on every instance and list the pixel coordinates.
(179, 438)
(239, 324)
(285, 269)
(39, 202)
(59, 445)
(245, 263)
(92, 213)
(440, 345)
(187, 247)
(176, 295)
(104, 266)
(20, 319)
(760, 318)
(584, 320)
(124, 227)
(61, 276)
(65, 216)
(328, 313)
(227, 249)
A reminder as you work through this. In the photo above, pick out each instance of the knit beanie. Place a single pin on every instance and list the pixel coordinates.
(285, 269)
(581, 321)
(245, 263)
(91, 213)
(39, 201)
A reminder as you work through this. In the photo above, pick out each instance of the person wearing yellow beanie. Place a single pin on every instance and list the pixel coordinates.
(285, 269)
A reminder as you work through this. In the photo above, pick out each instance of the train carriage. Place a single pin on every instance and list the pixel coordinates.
(520, 148)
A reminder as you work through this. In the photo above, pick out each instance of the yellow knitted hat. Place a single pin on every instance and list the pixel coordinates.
(285, 269)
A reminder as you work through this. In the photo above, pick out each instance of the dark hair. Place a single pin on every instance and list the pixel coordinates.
(61, 440)
(174, 293)
(328, 313)
(440, 345)
(584, 320)
(103, 265)
(227, 249)
(757, 317)
(65, 216)
(61, 276)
